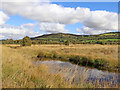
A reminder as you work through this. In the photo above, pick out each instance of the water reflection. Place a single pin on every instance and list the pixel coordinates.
(75, 73)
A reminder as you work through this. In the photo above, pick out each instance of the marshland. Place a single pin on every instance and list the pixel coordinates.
(60, 66)
(51, 44)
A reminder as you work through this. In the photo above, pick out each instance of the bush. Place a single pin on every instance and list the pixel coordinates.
(48, 55)
(66, 42)
(35, 42)
(77, 60)
(41, 55)
(81, 60)
(100, 63)
(55, 55)
(26, 41)
(63, 57)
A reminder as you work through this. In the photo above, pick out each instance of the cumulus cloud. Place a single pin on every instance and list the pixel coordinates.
(102, 20)
(38, 1)
(53, 27)
(53, 18)
(28, 25)
(3, 18)
(92, 31)
(28, 29)
(16, 32)
(47, 12)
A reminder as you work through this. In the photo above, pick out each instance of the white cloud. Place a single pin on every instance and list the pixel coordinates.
(51, 13)
(38, 1)
(16, 32)
(92, 31)
(28, 25)
(28, 29)
(3, 18)
(53, 18)
(102, 20)
(53, 27)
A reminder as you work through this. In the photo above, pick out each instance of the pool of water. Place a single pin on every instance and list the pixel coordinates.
(77, 74)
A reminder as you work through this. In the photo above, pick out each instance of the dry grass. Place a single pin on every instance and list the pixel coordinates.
(18, 70)
(107, 52)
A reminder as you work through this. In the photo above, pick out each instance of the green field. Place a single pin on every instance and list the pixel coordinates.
(103, 40)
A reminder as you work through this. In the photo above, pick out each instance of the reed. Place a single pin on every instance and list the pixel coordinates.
(18, 71)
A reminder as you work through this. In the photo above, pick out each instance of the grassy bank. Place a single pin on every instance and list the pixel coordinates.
(98, 63)
(18, 70)
(103, 57)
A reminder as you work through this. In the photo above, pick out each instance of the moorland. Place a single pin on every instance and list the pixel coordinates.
(95, 51)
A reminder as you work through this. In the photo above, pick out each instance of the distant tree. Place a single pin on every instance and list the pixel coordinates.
(9, 41)
(66, 42)
(91, 42)
(18, 41)
(26, 41)
(103, 42)
(35, 42)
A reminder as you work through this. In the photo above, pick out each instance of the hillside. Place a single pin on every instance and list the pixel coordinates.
(61, 38)
(111, 37)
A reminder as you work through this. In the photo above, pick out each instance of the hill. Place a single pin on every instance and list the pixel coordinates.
(110, 38)
(61, 38)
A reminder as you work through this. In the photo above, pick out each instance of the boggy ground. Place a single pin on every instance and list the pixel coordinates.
(19, 71)
(103, 57)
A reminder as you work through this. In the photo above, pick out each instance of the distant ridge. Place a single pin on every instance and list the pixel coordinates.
(60, 38)
(68, 34)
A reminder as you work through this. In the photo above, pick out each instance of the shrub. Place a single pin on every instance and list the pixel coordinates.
(48, 55)
(66, 42)
(41, 55)
(71, 59)
(103, 42)
(26, 41)
(84, 61)
(63, 57)
(35, 42)
(81, 60)
(100, 63)
(55, 55)
(77, 60)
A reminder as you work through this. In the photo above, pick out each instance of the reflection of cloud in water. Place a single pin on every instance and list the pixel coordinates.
(78, 73)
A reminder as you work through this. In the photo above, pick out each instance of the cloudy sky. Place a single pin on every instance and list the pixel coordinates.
(22, 17)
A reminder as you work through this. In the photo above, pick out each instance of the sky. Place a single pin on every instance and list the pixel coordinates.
(24, 18)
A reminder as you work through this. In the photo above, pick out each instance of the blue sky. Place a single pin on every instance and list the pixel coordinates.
(107, 6)
(18, 20)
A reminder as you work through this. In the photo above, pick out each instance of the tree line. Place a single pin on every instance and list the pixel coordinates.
(26, 41)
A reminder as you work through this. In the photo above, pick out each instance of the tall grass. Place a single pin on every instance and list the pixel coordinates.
(102, 57)
(18, 70)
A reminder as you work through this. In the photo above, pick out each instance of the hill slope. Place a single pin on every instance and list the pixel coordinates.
(62, 37)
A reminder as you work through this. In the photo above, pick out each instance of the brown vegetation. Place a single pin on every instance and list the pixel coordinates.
(19, 71)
